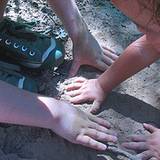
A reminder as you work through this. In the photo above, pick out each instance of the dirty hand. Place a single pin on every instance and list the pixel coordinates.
(86, 51)
(148, 146)
(80, 128)
(83, 90)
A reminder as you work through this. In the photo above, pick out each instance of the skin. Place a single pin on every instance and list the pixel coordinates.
(148, 146)
(3, 6)
(68, 122)
(61, 117)
(86, 50)
(135, 57)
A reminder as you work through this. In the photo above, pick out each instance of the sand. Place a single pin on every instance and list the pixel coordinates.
(135, 101)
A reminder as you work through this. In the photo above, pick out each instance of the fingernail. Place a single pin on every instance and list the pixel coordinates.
(65, 88)
(114, 139)
(145, 124)
(93, 111)
(104, 147)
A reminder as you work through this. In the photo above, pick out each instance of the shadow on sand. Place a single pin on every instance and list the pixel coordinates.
(133, 108)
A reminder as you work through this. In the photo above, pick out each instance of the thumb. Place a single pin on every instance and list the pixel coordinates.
(96, 106)
(74, 69)
(150, 128)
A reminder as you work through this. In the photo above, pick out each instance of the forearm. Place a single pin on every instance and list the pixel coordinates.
(24, 108)
(137, 56)
(70, 16)
(3, 4)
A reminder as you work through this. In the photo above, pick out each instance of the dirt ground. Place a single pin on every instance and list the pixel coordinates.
(135, 101)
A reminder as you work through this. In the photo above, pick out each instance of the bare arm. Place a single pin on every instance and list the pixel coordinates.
(137, 56)
(3, 6)
(25, 108)
(86, 50)
(70, 16)
(22, 107)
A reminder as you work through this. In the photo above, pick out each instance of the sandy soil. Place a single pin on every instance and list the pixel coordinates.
(135, 101)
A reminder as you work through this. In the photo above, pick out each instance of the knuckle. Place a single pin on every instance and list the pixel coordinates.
(152, 142)
(97, 135)
(83, 131)
(89, 141)
(87, 92)
(77, 140)
(109, 138)
(96, 127)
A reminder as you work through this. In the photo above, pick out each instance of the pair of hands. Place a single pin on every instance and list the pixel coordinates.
(90, 131)
(86, 51)
(86, 129)
(82, 90)
(147, 146)
(73, 124)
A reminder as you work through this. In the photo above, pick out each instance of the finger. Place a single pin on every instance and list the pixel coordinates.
(100, 135)
(109, 53)
(146, 155)
(108, 49)
(107, 60)
(101, 129)
(79, 79)
(74, 69)
(150, 128)
(101, 65)
(137, 138)
(137, 146)
(79, 99)
(95, 107)
(73, 86)
(90, 142)
(100, 121)
(74, 93)
(153, 158)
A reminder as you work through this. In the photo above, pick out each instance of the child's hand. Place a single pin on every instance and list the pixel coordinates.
(149, 146)
(83, 90)
(80, 128)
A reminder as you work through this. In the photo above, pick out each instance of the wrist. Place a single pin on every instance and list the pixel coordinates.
(105, 86)
(52, 112)
(79, 31)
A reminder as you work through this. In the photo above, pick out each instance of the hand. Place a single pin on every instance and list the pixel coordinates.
(81, 128)
(149, 146)
(86, 51)
(83, 90)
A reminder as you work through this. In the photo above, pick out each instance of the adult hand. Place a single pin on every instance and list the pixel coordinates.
(86, 51)
(148, 146)
(82, 128)
(83, 90)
